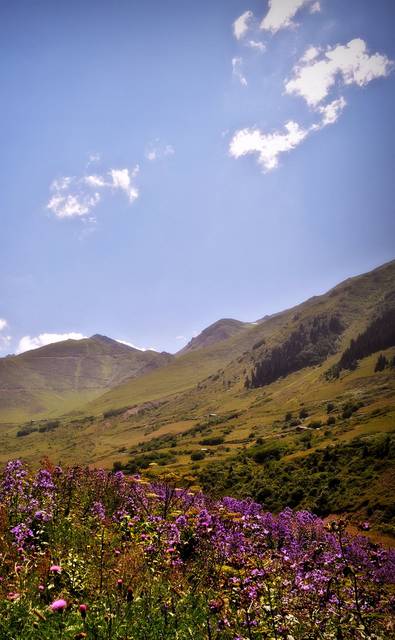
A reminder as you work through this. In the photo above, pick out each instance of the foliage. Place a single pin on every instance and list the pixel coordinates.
(144, 460)
(380, 334)
(308, 345)
(197, 455)
(87, 554)
(381, 363)
(211, 442)
(336, 479)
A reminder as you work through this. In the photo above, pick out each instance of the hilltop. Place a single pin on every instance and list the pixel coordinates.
(216, 332)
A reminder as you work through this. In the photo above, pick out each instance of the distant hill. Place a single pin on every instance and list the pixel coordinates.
(61, 376)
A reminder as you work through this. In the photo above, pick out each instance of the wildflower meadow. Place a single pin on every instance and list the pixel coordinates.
(89, 554)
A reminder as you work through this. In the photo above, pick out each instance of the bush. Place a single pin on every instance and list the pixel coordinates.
(26, 431)
(211, 442)
(271, 451)
(198, 455)
(331, 420)
(315, 424)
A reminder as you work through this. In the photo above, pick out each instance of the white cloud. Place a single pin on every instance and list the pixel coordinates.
(315, 8)
(314, 76)
(255, 44)
(156, 151)
(310, 54)
(182, 338)
(130, 344)
(94, 181)
(27, 343)
(61, 184)
(237, 64)
(268, 146)
(70, 206)
(241, 25)
(3, 324)
(93, 157)
(151, 155)
(122, 179)
(77, 197)
(5, 342)
(281, 12)
(332, 111)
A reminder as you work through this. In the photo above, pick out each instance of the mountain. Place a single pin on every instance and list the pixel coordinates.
(350, 304)
(216, 332)
(297, 409)
(61, 376)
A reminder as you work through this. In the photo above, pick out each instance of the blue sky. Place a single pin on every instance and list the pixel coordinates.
(165, 164)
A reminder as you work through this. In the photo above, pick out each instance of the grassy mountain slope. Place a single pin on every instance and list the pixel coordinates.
(62, 376)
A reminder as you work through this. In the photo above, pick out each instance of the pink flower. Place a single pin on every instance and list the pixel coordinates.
(58, 605)
(55, 568)
(83, 609)
(13, 595)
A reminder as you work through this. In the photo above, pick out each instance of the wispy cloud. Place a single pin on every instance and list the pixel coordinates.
(330, 112)
(257, 45)
(270, 146)
(72, 205)
(156, 150)
(267, 146)
(28, 343)
(317, 71)
(3, 324)
(123, 180)
(241, 24)
(313, 78)
(237, 70)
(281, 13)
(93, 158)
(77, 197)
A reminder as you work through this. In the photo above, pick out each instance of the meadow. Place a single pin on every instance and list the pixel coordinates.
(87, 553)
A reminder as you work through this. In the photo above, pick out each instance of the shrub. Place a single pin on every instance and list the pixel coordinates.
(198, 455)
(211, 442)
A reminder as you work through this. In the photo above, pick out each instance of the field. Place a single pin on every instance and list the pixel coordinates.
(87, 554)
